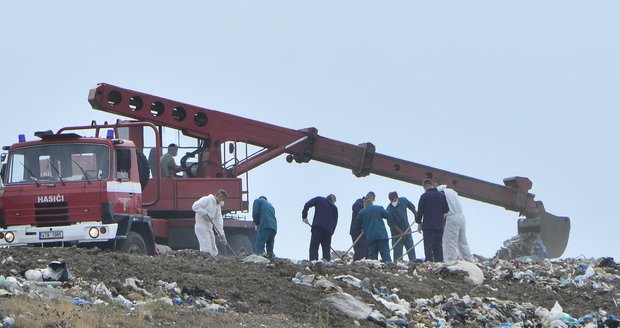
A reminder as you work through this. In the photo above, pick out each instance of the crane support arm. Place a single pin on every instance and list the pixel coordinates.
(305, 145)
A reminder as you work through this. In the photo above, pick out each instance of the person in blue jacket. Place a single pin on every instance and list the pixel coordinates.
(370, 219)
(360, 248)
(399, 225)
(264, 217)
(323, 225)
(432, 210)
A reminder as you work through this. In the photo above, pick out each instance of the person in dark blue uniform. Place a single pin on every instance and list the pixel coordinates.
(370, 219)
(361, 247)
(264, 217)
(399, 225)
(323, 225)
(432, 210)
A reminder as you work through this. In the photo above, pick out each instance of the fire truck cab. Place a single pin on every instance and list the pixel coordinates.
(65, 188)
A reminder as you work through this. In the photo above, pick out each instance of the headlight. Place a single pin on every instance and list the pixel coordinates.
(9, 237)
(93, 232)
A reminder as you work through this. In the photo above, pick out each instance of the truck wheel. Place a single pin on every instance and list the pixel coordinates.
(134, 244)
(241, 244)
(143, 169)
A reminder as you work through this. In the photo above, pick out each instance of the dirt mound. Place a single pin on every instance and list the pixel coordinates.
(256, 293)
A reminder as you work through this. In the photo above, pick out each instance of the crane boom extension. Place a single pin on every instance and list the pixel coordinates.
(304, 145)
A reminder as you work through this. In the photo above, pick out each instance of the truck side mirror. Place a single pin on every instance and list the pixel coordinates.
(2, 157)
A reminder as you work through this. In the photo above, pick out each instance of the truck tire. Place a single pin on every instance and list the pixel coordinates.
(241, 244)
(144, 170)
(133, 244)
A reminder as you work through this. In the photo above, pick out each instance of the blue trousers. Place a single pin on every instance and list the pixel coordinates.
(265, 237)
(361, 248)
(379, 246)
(407, 242)
(323, 238)
(433, 248)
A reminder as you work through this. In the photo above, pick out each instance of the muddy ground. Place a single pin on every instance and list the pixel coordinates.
(260, 294)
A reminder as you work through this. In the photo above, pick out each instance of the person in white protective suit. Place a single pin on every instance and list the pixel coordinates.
(209, 216)
(454, 240)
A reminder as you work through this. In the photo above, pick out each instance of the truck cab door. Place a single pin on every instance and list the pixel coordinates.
(125, 191)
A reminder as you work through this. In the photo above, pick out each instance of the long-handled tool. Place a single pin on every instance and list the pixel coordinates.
(407, 251)
(354, 243)
(402, 235)
(330, 246)
(217, 232)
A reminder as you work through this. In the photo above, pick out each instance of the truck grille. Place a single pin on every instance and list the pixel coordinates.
(51, 212)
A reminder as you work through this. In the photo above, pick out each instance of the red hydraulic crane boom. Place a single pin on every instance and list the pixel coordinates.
(214, 128)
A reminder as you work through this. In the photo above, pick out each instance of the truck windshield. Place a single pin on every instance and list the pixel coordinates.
(61, 162)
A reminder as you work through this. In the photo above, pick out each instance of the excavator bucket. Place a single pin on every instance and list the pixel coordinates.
(552, 230)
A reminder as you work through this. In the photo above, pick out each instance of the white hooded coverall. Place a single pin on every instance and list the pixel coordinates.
(208, 213)
(454, 240)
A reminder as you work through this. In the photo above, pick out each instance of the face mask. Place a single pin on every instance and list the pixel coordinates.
(221, 203)
(395, 203)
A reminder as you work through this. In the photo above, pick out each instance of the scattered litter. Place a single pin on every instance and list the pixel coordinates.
(350, 280)
(327, 285)
(8, 321)
(162, 249)
(7, 260)
(255, 259)
(79, 301)
(55, 271)
(348, 305)
(474, 274)
(522, 245)
(303, 279)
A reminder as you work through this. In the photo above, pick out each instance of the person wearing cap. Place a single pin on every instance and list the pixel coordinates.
(432, 209)
(399, 225)
(209, 217)
(264, 217)
(455, 244)
(370, 219)
(323, 225)
(360, 248)
(168, 166)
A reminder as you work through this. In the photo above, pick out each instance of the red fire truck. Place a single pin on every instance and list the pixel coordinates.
(65, 188)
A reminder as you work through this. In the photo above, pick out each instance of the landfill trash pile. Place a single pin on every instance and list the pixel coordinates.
(250, 291)
(522, 245)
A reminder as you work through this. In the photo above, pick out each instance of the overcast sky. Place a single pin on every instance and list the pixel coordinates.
(488, 89)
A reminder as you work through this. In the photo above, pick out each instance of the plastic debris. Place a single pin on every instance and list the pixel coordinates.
(327, 285)
(216, 308)
(395, 305)
(7, 260)
(79, 301)
(348, 305)
(523, 245)
(8, 321)
(55, 271)
(256, 259)
(199, 292)
(303, 279)
(473, 276)
(350, 280)
(162, 249)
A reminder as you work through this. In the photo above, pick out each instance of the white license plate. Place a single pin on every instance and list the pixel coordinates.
(50, 235)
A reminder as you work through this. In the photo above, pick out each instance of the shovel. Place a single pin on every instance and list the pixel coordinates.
(217, 233)
(407, 252)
